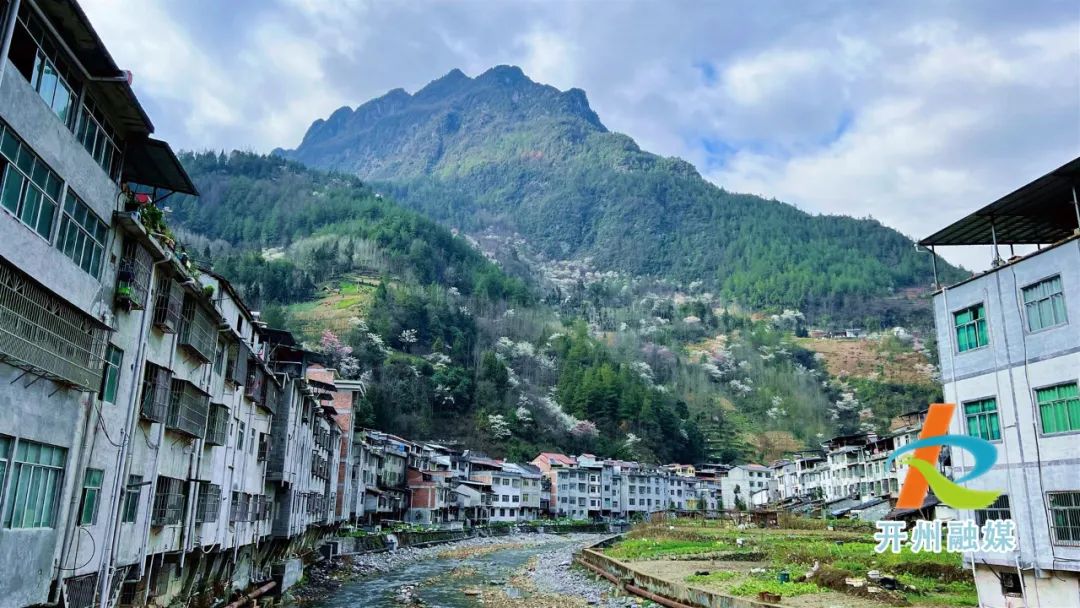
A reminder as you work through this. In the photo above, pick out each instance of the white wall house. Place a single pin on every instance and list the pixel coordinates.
(1009, 340)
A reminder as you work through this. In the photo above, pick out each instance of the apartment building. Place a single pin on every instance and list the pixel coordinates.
(529, 506)
(741, 482)
(78, 289)
(1009, 341)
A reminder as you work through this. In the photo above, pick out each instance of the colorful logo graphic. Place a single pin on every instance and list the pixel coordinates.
(923, 472)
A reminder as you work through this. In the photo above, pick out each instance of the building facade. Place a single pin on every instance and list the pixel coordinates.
(1010, 358)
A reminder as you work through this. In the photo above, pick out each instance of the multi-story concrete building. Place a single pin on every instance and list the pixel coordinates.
(529, 507)
(1009, 340)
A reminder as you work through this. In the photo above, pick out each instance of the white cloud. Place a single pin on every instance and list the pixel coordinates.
(913, 113)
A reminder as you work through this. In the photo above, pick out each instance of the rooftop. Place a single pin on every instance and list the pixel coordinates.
(1042, 212)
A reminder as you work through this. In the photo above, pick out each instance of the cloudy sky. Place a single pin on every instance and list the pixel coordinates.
(913, 113)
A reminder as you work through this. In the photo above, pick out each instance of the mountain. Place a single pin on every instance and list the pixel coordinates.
(451, 347)
(502, 151)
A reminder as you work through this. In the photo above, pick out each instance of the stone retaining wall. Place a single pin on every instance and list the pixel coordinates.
(615, 570)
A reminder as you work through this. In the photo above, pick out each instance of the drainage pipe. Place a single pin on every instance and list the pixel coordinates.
(254, 594)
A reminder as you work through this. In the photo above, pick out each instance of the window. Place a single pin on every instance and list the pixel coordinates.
(40, 60)
(971, 328)
(169, 498)
(1044, 304)
(240, 438)
(5, 455)
(1010, 584)
(982, 419)
(1065, 517)
(30, 189)
(1059, 408)
(131, 499)
(82, 235)
(209, 502)
(110, 380)
(98, 137)
(36, 475)
(999, 509)
(91, 495)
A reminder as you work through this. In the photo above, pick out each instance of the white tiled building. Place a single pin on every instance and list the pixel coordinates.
(1009, 340)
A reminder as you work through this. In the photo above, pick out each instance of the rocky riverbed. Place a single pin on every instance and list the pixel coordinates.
(521, 571)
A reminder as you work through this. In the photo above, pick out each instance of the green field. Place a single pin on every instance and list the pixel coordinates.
(754, 564)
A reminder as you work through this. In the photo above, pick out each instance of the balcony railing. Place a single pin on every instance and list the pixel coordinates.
(43, 334)
(169, 305)
(133, 279)
(188, 409)
(197, 333)
(157, 387)
(217, 432)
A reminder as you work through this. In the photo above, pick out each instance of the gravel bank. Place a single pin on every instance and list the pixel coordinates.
(324, 577)
(551, 573)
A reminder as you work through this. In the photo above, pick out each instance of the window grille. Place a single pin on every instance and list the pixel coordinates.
(1065, 517)
(209, 503)
(999, 509)
(157, 387)
(45, 335)
(81, 591)
(234, 507)
(188, 409)
(217, 433)
(169, 498)
(133, 279)
(169, 305)
(197, 332)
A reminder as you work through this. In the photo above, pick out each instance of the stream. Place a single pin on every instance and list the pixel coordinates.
(440, 582)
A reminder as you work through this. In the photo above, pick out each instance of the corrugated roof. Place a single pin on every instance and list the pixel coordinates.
(1040, 212)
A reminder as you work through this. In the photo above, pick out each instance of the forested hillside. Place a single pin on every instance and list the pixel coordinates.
(502, 151)
(452, 346)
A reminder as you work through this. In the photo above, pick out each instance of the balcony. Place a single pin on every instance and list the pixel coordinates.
(44, 335)
(188, 409)
(273, 397)
(169, 305)
(255, 385)
(157, 388)
(198, 335)
(217, 432)
(133, 279)
(237, 369)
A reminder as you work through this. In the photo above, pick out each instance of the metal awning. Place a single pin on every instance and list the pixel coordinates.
(1041, 212)
(151, 162)
(110, 84)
